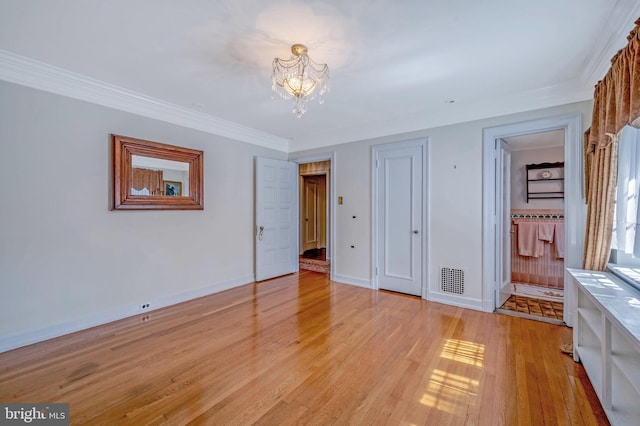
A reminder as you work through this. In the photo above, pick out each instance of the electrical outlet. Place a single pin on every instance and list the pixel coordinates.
(145, 306)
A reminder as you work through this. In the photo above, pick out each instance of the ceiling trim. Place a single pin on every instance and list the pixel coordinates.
(415, 125)
(622, 18)
(39, 75)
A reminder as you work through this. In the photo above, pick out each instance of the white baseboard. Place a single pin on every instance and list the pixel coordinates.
(200, 292)
(459, 301)
(17, 340)
(345, 279)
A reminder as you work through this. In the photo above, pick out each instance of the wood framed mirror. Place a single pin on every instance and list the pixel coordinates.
(156, 176)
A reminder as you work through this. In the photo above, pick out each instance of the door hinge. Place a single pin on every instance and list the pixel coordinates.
(376, 270)
(377, 164)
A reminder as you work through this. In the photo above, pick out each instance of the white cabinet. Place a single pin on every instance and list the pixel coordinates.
(606, 339)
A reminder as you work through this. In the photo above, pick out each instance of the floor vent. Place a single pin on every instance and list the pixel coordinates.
(452, 280)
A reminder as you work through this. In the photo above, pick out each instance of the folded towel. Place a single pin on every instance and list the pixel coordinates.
(545, 231)
(559, 240)
(528, 242)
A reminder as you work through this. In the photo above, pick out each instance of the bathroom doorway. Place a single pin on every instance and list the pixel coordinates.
(535, 242)
(494, 217)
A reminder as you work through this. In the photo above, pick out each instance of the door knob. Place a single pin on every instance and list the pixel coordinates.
(261, 233)
(415, 231)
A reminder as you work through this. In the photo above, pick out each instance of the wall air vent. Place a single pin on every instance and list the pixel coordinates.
(451, 280)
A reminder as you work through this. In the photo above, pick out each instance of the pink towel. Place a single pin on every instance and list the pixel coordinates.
(559, 240)
(528, 242)
(545, 231)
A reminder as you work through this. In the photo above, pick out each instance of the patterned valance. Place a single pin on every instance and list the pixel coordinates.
(617, 95)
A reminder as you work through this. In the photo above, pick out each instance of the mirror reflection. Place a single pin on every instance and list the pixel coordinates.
(155, 176)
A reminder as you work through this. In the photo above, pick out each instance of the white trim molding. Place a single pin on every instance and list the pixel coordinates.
(358, 282)
(39, 75)
(574, 211)
(16, 340)
(454, 300)
(622, 17)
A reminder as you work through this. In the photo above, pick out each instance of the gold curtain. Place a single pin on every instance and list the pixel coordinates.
(616, 100)
(150, 179)
(616, 104)
(601, 202)
(587, 158)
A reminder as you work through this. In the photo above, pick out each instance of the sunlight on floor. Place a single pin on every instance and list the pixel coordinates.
(445, 390)
(465, 352)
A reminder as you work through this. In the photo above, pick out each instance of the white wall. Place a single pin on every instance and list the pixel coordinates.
(66, 259)
(519, 159)
(455, 203)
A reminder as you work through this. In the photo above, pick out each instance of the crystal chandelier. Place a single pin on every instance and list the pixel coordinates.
(299, 78)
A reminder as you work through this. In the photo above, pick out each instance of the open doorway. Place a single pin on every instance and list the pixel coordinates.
(315, 186)
(534, 243)
(497, 221)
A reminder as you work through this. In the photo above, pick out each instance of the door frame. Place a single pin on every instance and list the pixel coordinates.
(426, 227)
(503, 221)
(574, 207)
(331, 204)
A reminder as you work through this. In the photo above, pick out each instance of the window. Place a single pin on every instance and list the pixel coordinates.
(625, 242)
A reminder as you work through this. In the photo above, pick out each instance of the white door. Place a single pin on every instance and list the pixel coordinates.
(399, 224)
(311, 192)
(276, 218)
(503, 222)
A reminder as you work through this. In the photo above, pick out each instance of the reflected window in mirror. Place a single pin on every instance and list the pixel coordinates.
(153, 175)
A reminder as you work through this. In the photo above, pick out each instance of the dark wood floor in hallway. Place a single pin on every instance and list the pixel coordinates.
(303, 350)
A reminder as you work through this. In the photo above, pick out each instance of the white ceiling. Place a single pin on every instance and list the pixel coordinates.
(395, 64)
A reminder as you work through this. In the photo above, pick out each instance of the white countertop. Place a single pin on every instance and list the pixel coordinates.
(620, 301)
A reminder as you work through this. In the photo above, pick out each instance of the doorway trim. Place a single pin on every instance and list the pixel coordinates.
(574, 208)
(331, 204)
(426, 226)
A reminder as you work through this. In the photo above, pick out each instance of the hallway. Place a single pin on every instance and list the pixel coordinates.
(315, 260)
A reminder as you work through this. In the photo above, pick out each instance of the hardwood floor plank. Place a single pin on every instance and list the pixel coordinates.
(301, 349)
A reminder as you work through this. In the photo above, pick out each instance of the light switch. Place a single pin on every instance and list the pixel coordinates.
(339, 200)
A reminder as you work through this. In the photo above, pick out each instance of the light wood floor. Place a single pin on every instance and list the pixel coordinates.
(303, 350)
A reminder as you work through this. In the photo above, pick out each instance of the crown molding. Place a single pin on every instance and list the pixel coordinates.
(622, 18)
(414, 125)
(39, 75)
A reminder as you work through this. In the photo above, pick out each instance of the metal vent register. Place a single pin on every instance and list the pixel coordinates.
(451, 280)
